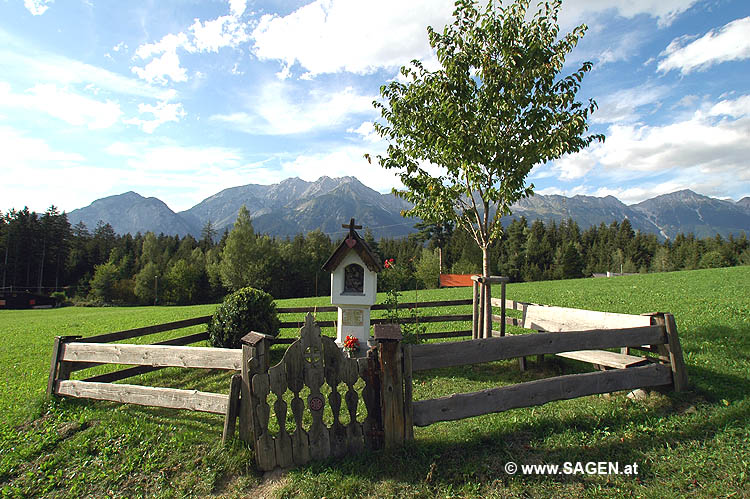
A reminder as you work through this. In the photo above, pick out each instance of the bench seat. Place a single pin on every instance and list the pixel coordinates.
(605, 358)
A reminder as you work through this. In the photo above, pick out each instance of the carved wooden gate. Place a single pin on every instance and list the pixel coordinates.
(308, 363)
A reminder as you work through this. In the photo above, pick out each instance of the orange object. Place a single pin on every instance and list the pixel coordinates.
(455, 280)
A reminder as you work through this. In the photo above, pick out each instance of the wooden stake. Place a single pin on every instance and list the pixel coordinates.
(233, 408)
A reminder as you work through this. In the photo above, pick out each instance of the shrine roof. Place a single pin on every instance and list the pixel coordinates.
(353, 242)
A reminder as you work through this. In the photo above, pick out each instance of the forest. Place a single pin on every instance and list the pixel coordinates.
(43, 253)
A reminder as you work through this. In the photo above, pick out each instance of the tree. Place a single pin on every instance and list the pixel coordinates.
(103, 282)
(438, 234)
(208, 234)
(493, 111)
(427, 269)
(146, 282)
(247, 259)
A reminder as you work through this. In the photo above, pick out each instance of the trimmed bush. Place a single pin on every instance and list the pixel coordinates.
(247, 309)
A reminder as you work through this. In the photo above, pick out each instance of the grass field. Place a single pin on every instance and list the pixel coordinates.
(696, 443)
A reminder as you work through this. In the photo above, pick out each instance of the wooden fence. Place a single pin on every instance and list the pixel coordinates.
(74, 353)
(417, 306)
(260, 394)
(659, 336)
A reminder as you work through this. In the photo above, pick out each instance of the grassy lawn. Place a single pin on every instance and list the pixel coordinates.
(696, 443)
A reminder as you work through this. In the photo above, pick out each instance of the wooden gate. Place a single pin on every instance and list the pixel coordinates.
(309, 363)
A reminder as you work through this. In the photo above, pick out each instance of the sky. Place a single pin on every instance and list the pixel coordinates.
(181, 99)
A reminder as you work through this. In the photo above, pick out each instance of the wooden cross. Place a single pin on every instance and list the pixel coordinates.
(351, 226)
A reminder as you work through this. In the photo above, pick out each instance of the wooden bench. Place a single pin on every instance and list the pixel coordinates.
(602, 359)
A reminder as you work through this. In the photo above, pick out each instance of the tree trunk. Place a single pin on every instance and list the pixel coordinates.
(485, 293)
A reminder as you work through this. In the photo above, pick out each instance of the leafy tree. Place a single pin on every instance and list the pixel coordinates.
(438, 234)
(248, 260)
(713, 260)
(103, 282)
(151, 250)
(145, 285)
(237, 256)
(182, 281)
(493, 111)
(427, 268)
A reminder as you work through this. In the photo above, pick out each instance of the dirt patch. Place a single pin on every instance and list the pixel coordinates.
(272, 481)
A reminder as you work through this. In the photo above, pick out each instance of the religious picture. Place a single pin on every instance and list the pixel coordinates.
(354, 279)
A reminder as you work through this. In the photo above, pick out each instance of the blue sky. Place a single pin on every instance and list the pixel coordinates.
(180, 99)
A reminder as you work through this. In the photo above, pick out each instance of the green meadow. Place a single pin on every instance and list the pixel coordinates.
(695, 443)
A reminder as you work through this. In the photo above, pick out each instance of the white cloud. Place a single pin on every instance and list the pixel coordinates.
(165, 62)
(53, 171)
(572, 166)
(366, 131)
(328, 36)
(624, 106)
(731, 42)
(22, 63)
(224, 31)
(37, 7)
(707, 151)
(204, 36)
(736, 108)
(237, 7)
(64, 104)
(276, 111)
(665, 11)
(331, 36)
(163, 112)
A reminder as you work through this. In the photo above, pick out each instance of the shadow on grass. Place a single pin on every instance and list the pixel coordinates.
(618, 430)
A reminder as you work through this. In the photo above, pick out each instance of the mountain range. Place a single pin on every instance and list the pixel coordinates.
(295, 206)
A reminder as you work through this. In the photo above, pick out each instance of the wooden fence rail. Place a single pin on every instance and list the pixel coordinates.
(146, 395)
(532, 393)
(153, 355)
(435, 355)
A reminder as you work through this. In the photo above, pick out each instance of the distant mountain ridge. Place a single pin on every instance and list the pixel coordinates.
(295, 206)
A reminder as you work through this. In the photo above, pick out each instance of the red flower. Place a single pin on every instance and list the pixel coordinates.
(351, 343)
(389, 263)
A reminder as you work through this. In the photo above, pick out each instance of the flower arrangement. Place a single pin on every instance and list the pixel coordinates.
(351, 343)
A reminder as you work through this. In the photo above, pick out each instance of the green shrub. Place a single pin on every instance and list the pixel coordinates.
(59, 297)
(247, 309)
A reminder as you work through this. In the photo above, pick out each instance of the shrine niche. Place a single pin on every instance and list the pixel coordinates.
(354, 279)
(354, 271)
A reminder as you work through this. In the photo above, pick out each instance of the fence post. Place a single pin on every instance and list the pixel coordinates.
(487, 285)
(255, 359)
(58, 370)
(502, 306)
(672, 350)
(230, 419)
(388, 337)
(408, 395)
(475, 309)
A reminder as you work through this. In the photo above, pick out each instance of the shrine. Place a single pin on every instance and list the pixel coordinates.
(354, 271)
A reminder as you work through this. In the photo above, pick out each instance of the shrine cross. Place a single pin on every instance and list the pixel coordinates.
(351, 226)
